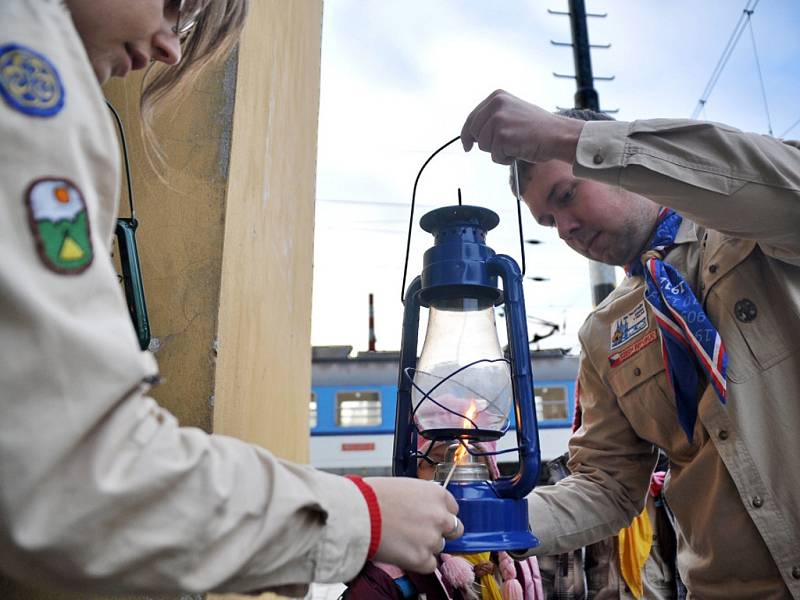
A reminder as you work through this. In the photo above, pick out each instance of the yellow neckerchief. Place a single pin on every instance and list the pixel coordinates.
(634, 548)
(489, 588)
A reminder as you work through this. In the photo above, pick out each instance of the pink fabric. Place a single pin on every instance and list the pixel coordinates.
(507, 568)
(532, 579)
(511, 589)
(657, 483)
(429, 412)
(491, 461)
(457, 572)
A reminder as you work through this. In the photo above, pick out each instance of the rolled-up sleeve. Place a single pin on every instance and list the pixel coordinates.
(742, 184)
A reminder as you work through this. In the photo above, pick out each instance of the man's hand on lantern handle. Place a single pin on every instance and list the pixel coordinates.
(510, 128)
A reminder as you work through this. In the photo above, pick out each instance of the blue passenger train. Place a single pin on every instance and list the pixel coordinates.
(352, 408)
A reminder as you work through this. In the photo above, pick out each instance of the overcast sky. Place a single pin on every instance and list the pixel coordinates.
(400, 76)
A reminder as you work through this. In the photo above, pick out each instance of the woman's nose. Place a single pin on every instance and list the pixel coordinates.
(166, 46)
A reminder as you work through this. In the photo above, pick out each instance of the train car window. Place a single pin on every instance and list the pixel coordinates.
(358, 409)
(551, 403)
(312, 411)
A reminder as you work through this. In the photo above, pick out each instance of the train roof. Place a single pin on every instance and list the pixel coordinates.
(337, 365)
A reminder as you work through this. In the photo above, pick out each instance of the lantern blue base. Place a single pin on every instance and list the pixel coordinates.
(490, 522)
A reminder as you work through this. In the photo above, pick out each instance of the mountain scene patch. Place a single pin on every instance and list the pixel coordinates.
(60, 225)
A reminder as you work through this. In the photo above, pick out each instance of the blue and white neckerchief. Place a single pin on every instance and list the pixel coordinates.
(689, 341)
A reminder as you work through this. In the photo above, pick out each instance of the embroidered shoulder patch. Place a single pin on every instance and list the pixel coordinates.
(628, 326)
(60, 226)
(617, 358)
(29, 82)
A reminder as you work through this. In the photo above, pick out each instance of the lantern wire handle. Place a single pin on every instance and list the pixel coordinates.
(515, 171)
(411, 218)
(515, 174)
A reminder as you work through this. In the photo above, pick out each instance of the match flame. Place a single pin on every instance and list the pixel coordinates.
(462, 449)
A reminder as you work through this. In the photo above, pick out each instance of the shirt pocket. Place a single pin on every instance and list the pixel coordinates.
(645, 397)
(755, 316)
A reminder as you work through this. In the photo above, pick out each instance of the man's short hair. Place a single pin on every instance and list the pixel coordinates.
(524, 167)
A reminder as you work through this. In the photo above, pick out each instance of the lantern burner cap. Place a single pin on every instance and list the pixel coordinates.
(477, 218)
(463, 465)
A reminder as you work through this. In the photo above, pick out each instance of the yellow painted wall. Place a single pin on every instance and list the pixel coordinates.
(181, 233)
(227, 243)
(265, 303)
(264, 365)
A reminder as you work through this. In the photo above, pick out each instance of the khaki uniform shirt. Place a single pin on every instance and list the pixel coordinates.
(735, 491)
(100, 489)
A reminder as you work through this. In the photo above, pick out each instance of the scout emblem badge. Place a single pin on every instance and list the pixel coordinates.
(29, 82)
(60, 225)
(628, 326)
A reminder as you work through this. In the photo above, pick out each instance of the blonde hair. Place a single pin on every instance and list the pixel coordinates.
(217, 30)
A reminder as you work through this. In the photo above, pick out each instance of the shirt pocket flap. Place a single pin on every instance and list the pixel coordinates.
(635, 371)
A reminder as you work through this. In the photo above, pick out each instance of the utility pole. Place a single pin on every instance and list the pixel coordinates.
(601, 276)
(371, 344)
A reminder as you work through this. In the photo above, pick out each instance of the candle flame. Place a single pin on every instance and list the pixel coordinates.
(462, 449)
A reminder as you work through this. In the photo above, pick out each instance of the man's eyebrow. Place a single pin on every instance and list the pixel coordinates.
(551, 195)
(548, 202)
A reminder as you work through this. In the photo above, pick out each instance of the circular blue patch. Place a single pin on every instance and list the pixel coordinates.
(29, 82)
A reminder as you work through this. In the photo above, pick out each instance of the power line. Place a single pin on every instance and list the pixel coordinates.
(726, 54)
(758, 67)
(403, 205)
(792, 126)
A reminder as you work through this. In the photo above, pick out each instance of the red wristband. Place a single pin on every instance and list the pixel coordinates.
(374, 513)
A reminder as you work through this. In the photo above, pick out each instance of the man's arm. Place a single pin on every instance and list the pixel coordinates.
(610, 467)
(744, 185)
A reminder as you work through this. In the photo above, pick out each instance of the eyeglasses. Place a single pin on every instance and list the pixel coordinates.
(188, 15)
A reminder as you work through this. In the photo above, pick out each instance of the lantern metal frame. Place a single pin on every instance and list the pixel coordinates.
(461, 265)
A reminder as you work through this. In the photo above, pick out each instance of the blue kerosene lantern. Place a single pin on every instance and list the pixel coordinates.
(462, 389)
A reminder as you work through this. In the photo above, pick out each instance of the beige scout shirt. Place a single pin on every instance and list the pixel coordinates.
(100, 489)
(735, 491)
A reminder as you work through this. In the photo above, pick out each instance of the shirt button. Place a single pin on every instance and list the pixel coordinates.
(712, 268)
(745, 310)
(637, 371)
(796, 572)
(598, 159)
(757, 501)
(723, 434)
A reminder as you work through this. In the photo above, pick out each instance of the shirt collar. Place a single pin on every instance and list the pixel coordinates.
(687, 232)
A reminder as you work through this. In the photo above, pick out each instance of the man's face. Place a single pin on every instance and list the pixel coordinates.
(426, 470)
(124, 35)
(607, 224)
